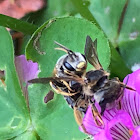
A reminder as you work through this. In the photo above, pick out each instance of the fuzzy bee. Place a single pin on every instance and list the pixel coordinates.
(81, 88)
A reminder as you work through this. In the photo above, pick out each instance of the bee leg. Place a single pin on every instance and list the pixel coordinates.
(120, 96)
(118, 101)
(96, 115)
(119, 105)
(125, 85)
(79, 118)
(58, 90)
(67, 85)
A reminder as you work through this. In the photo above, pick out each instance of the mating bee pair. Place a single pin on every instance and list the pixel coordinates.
(81, 88)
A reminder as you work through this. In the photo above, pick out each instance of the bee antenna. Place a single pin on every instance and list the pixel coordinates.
(125, 85)
(63, 48)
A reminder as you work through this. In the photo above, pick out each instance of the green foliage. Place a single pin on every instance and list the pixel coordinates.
(17, 25)
(14, 118)
(129, 40)
(82, 7)
(107, 14)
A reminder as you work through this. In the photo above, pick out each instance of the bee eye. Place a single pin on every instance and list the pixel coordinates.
(68, 66)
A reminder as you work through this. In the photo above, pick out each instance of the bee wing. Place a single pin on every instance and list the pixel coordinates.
(41, 80)
(48, 79)
(91, 53)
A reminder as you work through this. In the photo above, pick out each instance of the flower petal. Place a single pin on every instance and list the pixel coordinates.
(18, 8)
(131, 103)
(115, 126)
(136, 134)
(89, 123)
(133, 80)
(26, 70)
(119, 130)
(118, 120)
(131, 99)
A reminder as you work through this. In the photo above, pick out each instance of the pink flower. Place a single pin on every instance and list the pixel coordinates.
(121, 124)
(26, 71)
(18, 8)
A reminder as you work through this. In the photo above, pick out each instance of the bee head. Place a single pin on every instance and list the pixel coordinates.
(73, 63)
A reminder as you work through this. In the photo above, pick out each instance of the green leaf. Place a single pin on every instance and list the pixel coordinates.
(107, 14)
(14, 118)
(117, 65)
(129, 39)
(59, 8)
(17, 25)
(82, 7)
(55, 120)
(29, 135)
(130, 52)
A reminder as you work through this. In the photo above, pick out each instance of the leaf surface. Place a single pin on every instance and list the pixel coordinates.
(14, 118)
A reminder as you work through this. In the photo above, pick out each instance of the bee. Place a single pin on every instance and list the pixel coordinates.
(104, 90)
(81, 88)
(68, 79)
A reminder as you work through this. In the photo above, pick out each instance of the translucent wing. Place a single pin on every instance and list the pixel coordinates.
(48, 79)
(91, 53)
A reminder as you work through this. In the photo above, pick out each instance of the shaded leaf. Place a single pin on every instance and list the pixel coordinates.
(117, 65)
(107, 14)
(17, 25)
(29, 135)
(129, 39)
(82, 7)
